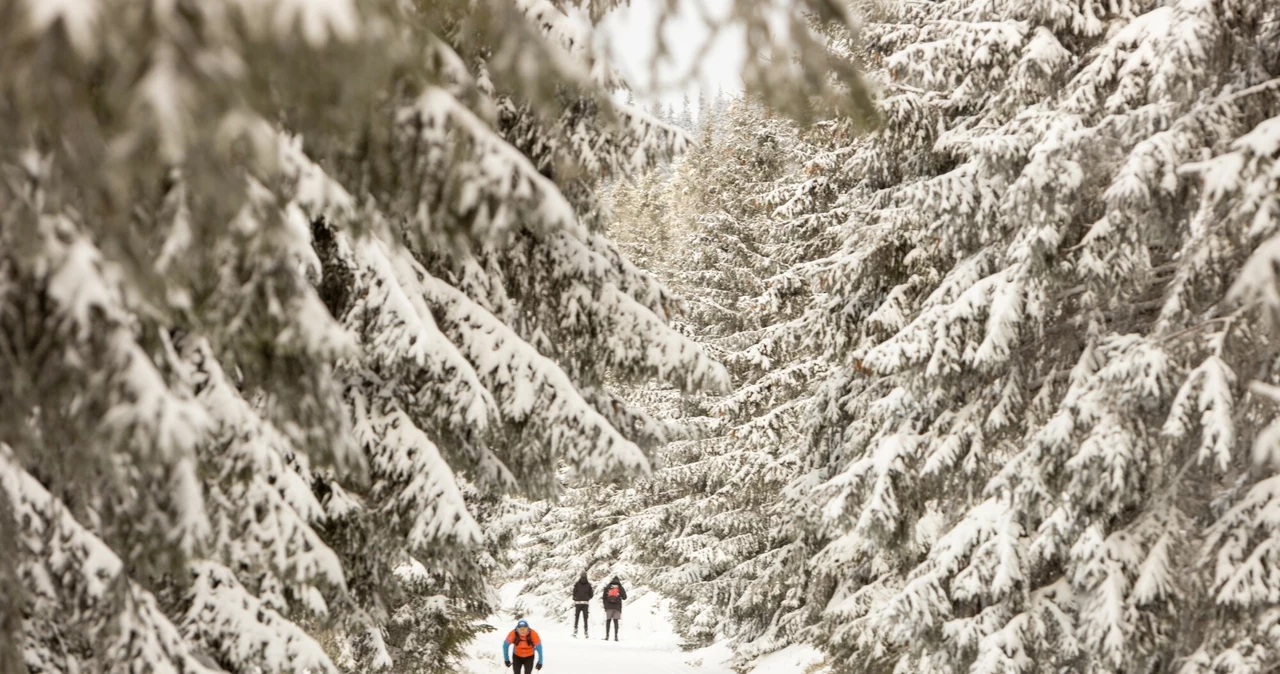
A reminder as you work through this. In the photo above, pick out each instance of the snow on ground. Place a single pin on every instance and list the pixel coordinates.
(794, 659)
(648, 645)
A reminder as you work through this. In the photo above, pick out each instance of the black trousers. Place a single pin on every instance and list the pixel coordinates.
(580, 611)
(526, 662)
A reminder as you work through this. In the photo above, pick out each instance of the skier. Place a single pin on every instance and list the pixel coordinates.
(582, 593)
(613, 596)
(527, 642)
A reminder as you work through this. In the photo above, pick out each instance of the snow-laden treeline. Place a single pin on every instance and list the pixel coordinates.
(1004, 367)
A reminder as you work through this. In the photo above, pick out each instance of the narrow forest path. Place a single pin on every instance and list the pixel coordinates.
(648, 646)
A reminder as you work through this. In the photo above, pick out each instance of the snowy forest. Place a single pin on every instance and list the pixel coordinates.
(950, 345)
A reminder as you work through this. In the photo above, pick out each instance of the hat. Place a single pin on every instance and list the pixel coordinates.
(522, 623)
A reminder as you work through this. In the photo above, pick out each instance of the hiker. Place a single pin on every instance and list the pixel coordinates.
(613, 596)
(582, 593)
(527, 642)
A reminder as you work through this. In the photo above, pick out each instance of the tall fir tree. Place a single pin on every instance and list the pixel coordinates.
(684, 119)
(762, 199)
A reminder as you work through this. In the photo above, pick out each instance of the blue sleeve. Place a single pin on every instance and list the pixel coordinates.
(506, 649)
(538, 648)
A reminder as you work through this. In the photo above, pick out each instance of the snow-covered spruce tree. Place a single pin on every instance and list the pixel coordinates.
(643, 227)
(256, 390)
(1052, 327)
(589, 528)
(751, 558)
(684, 119)
(708, 518)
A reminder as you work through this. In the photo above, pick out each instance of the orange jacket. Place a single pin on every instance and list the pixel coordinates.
(525, 646)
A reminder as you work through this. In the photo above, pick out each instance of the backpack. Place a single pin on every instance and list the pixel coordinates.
(528, 638)
(613, 590)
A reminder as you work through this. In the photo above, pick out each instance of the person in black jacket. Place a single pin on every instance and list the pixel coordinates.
(582, 592)
(613, 595)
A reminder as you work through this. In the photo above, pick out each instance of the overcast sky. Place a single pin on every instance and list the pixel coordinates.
(628, 37)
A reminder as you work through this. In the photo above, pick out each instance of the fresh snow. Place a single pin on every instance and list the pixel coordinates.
(794, 659)
(649, 644)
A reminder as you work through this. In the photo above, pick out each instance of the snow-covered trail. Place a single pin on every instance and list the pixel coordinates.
(648, 644)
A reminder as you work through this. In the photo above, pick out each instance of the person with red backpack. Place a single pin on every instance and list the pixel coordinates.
(527, 643)
(614, 594)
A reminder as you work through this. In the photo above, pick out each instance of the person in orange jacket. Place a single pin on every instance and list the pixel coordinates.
(527, 643)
